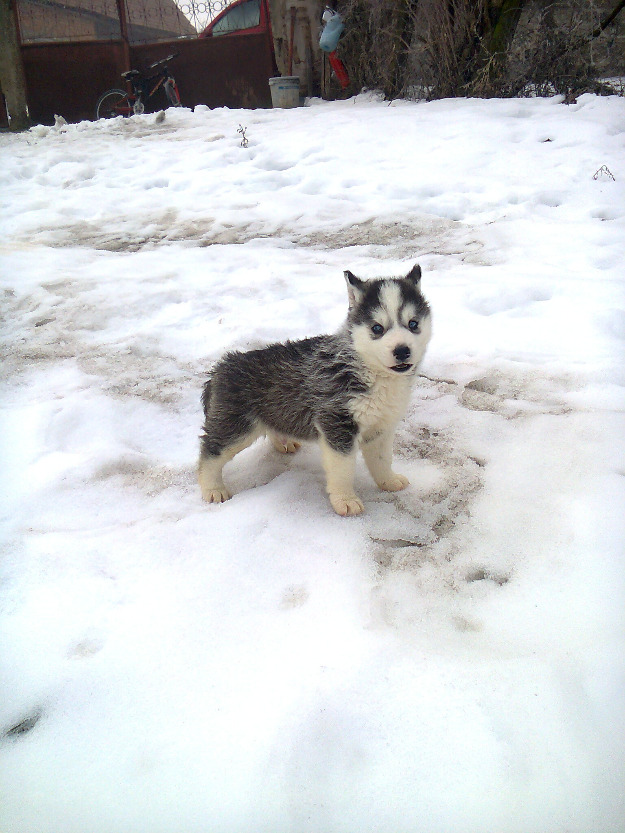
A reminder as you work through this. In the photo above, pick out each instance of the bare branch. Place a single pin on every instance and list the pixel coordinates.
(609, 19)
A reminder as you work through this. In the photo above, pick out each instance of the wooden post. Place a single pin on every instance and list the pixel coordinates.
(12, 78)
(293, 11)
(123, 30)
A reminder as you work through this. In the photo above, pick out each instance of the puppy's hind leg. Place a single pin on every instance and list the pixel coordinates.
(213, 458)
(210, 477)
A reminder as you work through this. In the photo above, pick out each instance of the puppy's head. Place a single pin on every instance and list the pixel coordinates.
(390, 321)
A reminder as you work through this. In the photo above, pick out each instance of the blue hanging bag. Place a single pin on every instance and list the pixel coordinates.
(332, 30)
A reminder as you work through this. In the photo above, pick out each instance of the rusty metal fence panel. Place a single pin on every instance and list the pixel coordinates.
(219, 72)
(74, 50)
(67, 78)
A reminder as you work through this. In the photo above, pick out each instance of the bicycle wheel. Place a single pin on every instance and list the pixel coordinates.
(113, 103)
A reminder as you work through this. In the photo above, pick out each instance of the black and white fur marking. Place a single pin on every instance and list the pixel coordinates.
(346, 390)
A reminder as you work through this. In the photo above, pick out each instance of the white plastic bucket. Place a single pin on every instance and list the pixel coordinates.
(284, 91)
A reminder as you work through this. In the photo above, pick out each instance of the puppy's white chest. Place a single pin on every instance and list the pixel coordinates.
(382, 406)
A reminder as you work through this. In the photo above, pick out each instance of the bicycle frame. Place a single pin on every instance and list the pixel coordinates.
(140, 88)
(144, 88)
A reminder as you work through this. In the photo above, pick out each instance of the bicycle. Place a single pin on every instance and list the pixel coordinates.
(119, 103)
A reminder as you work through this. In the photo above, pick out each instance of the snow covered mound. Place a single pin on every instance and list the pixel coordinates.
(453, 660)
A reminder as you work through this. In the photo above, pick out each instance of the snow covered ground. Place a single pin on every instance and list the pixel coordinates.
(450, 661)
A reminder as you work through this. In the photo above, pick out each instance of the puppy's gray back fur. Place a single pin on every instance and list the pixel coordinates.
(292, 389)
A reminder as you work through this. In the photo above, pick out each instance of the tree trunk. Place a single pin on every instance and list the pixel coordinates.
(12, 78)
(401, 27)
(468, 44)
(496, 29)
(504, 16)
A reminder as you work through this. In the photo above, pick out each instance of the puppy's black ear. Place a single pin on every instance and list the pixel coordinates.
(415, 274)
(355, 288)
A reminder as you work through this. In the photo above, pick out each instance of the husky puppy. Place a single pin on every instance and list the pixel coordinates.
(346, 390)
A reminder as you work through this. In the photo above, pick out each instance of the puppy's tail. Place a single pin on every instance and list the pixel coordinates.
(206, 397)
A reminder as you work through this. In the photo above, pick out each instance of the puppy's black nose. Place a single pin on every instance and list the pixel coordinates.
(402, 353)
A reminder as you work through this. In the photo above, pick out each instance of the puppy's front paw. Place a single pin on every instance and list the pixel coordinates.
(217, 494)
(394, 483)
(346, 504)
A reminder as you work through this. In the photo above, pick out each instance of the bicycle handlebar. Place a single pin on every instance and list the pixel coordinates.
(164, 60)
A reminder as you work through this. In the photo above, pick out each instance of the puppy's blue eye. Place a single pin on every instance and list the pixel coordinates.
(413, 326)
(377, 329)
